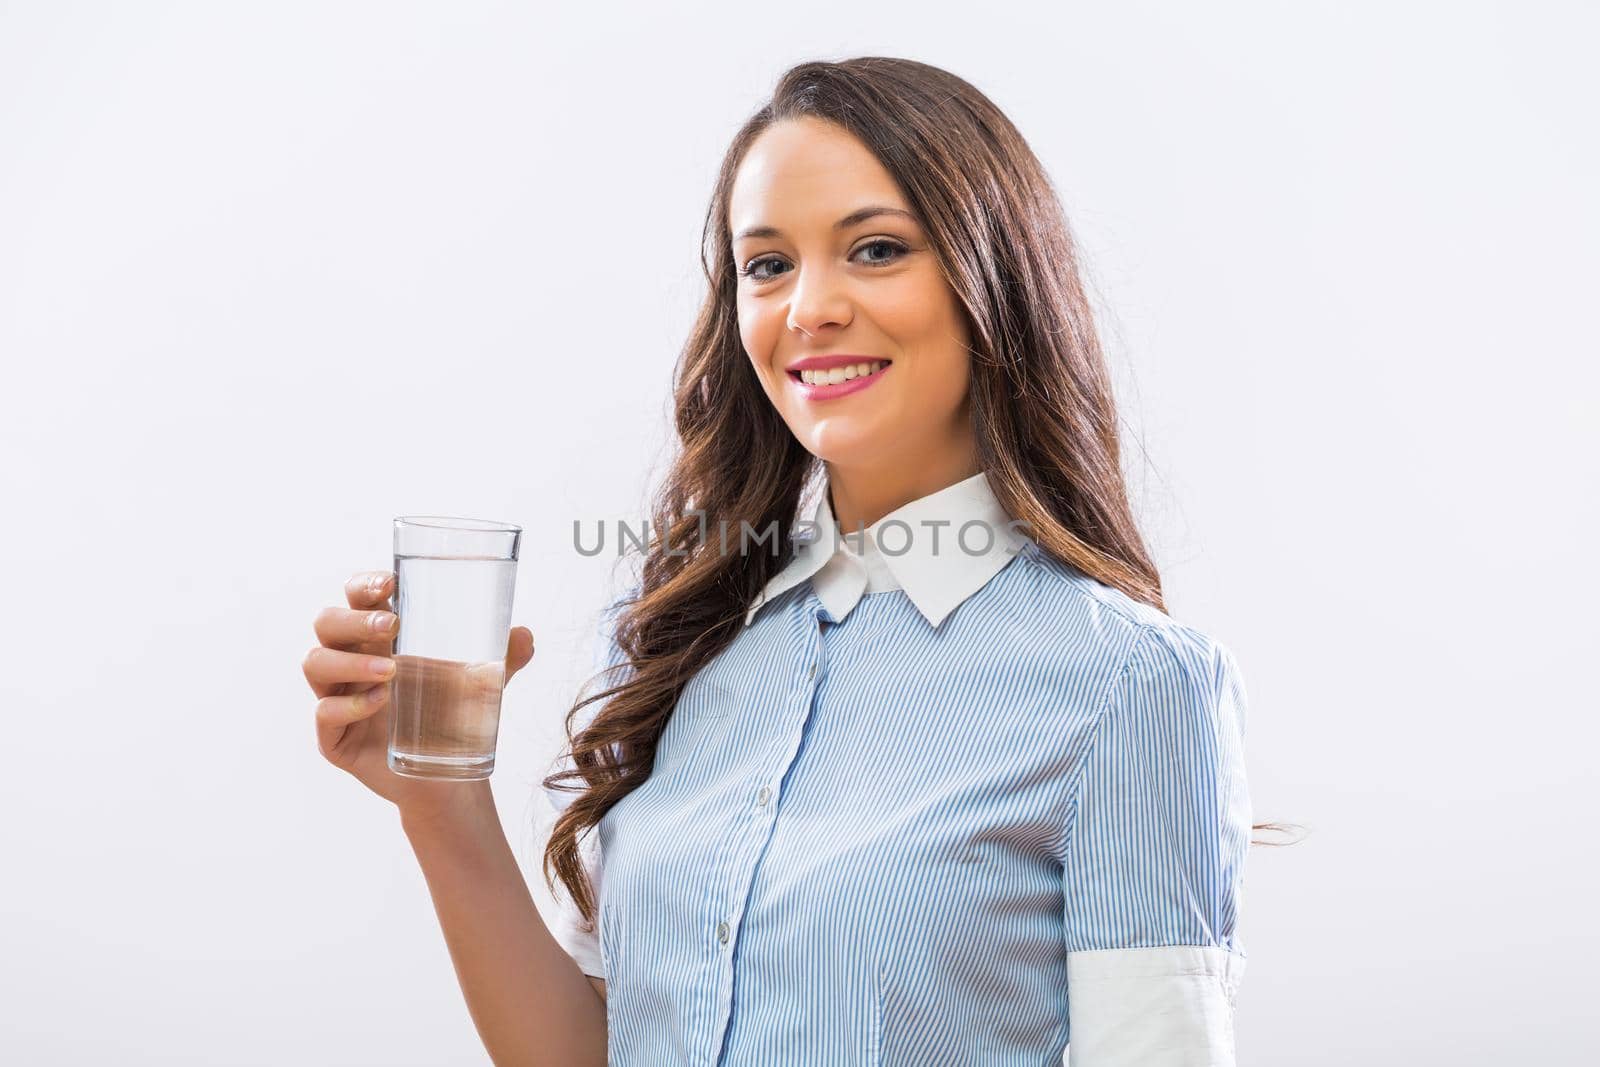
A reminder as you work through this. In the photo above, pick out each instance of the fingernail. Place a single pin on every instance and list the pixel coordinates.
(383, 668)
(380, 621)
(376, 584)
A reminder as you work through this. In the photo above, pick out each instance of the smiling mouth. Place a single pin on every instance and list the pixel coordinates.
(840, 375)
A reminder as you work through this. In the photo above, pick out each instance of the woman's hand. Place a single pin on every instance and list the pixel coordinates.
(351, 672)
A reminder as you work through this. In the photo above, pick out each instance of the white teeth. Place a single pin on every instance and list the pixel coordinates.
(836, 375)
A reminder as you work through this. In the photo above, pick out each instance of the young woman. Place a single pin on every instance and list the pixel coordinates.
(929, 776)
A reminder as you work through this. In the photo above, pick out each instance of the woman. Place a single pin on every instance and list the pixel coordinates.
(929, 779)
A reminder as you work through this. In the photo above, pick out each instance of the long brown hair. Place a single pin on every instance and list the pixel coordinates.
(1042, 408)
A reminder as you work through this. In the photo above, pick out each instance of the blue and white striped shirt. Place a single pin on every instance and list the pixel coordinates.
(945, 806)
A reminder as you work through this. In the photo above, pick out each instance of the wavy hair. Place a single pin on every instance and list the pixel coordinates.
(1041, 402)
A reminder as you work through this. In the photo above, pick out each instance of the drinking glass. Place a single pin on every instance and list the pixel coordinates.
(454, 579)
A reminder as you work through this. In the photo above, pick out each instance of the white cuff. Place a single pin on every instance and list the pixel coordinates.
(582, 946)
(567, 924)
(1152, 1007)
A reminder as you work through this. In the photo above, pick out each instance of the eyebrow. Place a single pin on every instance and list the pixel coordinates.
(857, 216)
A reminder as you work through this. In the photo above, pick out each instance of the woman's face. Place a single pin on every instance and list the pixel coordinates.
(821, 278)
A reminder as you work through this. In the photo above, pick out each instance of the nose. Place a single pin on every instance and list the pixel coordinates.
(817, 301)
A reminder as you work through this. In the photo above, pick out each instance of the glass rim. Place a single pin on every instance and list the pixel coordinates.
(454, 522)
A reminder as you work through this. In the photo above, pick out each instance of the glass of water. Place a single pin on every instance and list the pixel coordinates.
(454, 579)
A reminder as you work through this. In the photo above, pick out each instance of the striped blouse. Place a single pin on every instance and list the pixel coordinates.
(944, 800)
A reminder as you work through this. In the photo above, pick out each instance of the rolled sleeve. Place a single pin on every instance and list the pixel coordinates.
(1154, 863)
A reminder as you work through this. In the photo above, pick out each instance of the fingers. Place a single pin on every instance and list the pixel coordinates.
(369, 590)
(334, 713)
(329, 670)
(353, 638)
(350, 628)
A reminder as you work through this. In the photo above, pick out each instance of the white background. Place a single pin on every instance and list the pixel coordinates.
(272, 274)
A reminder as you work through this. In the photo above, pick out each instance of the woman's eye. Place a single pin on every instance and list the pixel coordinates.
(749, 270)
(893, 246)
(752, 269)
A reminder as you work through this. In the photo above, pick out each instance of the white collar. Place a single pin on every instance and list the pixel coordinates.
(925, 550)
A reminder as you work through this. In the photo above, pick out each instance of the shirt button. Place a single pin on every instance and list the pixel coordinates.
(722, 932)
(812, 675)
(763, 796)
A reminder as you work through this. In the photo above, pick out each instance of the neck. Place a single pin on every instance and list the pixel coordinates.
(861, 495)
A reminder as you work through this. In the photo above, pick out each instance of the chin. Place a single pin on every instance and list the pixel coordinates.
(843, 446)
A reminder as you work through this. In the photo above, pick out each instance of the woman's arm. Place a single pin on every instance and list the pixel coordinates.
(529, 1000)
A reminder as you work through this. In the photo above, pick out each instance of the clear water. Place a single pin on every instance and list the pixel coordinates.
(450, 650)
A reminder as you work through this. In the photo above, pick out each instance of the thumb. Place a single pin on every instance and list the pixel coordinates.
(519, 650)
